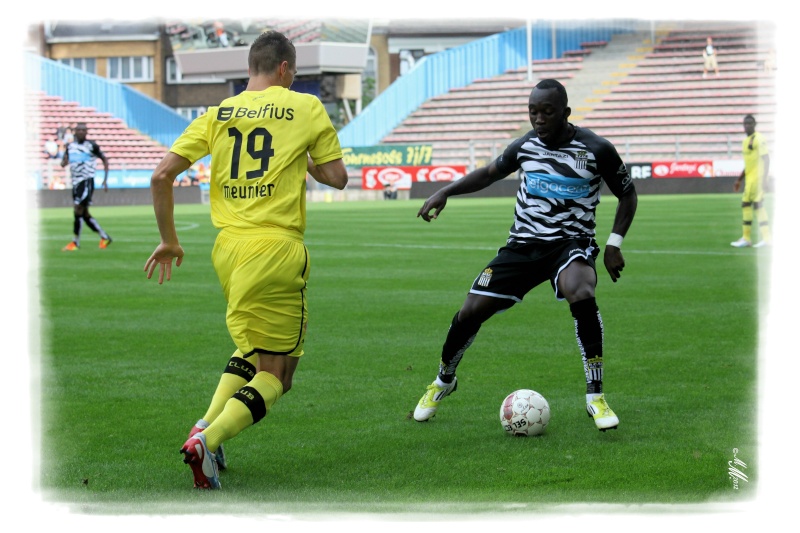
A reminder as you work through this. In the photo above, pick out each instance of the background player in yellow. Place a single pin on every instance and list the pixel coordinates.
(262, 142)
(755, 173)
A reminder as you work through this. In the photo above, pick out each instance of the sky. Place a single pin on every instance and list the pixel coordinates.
(775, 462)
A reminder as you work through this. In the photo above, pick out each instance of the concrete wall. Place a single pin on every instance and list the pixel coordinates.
(63, 198)
(509, 186)
(506, 187)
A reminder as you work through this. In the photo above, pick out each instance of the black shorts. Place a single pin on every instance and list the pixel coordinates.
(518, 268)
(82, 192)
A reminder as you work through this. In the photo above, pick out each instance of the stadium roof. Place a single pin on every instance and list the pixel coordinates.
(71, 31)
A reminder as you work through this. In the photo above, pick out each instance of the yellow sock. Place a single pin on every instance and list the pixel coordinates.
(237, 373)
(747, 222)
(763, 223)
(248, 405)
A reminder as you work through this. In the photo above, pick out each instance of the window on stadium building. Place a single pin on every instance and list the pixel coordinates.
(191, 113)
(128, 69)
(371, 69)
(174, 76)
(86, 64)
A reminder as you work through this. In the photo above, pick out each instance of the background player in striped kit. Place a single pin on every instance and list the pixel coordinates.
(552, 238)
(80, 155)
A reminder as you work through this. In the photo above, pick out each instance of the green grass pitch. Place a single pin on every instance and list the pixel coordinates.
(127, 366)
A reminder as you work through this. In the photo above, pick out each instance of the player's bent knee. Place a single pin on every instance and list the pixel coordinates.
(583, 292)
(280, 366)
(481, 308)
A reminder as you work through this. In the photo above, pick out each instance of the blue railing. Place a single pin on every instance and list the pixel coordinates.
(139, 112)
(490, 56)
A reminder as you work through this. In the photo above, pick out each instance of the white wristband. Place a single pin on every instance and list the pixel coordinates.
(615, 239)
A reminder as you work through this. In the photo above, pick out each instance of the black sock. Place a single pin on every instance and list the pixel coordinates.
(94, 226)
(76, 227)
(589, 333)
(459, 338)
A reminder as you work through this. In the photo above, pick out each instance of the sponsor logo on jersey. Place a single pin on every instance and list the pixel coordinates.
(557, 155)
(560, 187)
(267, 111)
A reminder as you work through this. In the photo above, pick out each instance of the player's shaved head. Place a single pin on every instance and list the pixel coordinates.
(268, 51)
(554, 84)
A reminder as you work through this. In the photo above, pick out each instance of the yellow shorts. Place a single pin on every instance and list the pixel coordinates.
(753, 190)
(263, 276)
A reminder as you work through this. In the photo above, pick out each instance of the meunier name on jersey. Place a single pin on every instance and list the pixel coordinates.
(248, 191)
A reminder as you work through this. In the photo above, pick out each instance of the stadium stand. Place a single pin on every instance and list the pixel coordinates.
(476, 121)
(664, 109)
(651, 102)
(126, 149)
(659, 107)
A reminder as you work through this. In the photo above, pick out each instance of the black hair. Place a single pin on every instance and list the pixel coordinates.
(554, 84)
(268, 51)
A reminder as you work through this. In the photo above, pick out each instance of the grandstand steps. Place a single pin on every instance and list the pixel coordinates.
(646, 96)
(454, 142)
(664, 109)
(474, 122)
(125, 148)
(488, 110)
(712, 86)
(605, 68)
(650, 100)
(739, 60)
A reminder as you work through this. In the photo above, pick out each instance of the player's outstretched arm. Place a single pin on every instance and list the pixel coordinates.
(475, 181)
(164, 205)
(104, 159)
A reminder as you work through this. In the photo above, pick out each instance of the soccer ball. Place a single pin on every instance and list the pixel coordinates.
(524, 413)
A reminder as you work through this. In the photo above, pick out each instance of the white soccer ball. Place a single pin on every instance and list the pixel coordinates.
(524, 413)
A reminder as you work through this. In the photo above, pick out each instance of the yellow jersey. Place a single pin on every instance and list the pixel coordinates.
(259, 141)
(754, 147)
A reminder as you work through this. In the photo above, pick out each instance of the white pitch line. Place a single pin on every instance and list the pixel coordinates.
(495, 248)
(187, 227)
(184, 227)
(314, 244)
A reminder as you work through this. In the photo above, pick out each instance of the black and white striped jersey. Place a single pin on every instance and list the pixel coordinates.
(560, 187)
(82, 159)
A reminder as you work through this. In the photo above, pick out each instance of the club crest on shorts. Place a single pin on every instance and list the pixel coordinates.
(485, 277)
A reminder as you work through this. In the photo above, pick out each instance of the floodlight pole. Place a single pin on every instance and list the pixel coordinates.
(529, 35)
